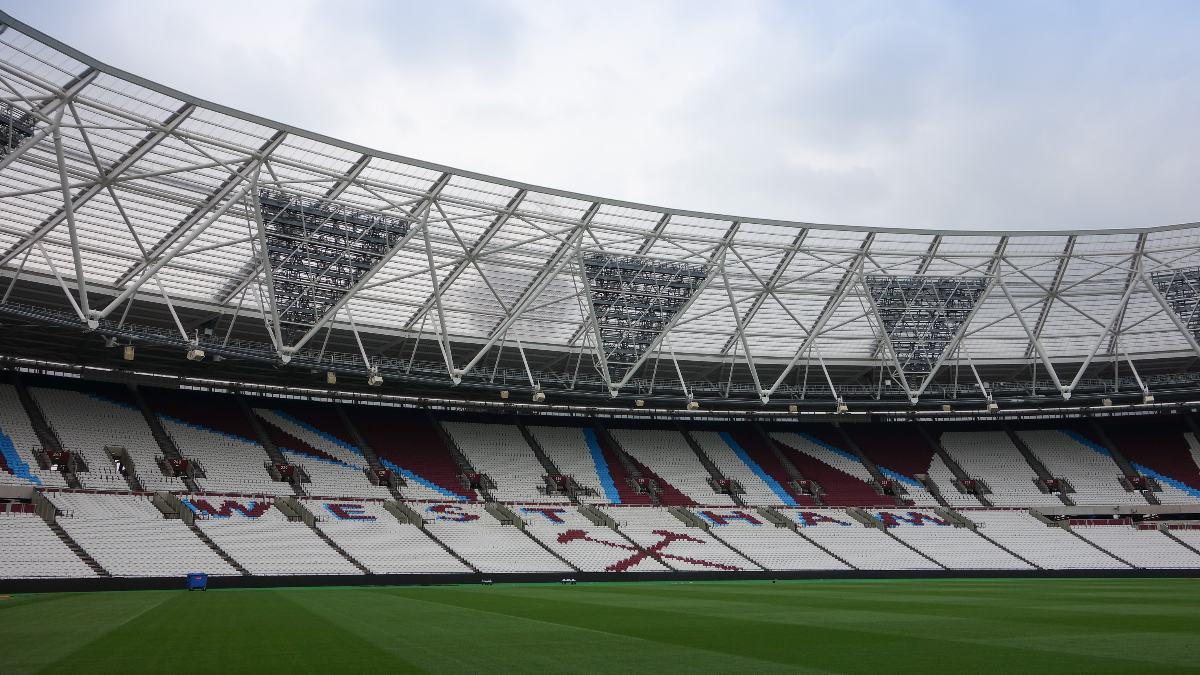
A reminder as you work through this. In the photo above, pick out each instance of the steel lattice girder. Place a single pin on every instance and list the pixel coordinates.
(16, 127)
(117, 190)
(921, 316)
(1181, 289)
(634, 300)
(318, 250)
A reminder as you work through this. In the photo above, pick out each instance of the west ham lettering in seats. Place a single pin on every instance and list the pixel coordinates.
(226, 507)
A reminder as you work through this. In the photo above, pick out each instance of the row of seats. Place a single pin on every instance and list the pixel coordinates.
(568, 449)
(269, 544)
(841, 475)
(486, 543)
(667, 454)
(902, 454)
(501, 452)
(129, 536)
(29, 549)
(734, 463)
(87, 424)
(1141, 548)
(408, 442)
(214, 431)
(375, 538)
(937, 538)
(990, 456)
(1089, 468)
(1047, 546)
(768, 544)
(17, 441)
(582, 543)
(334, 468)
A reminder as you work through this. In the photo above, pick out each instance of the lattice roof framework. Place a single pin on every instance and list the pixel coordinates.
(118, 189)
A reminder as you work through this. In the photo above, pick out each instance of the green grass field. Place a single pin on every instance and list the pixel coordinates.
(1002, 625)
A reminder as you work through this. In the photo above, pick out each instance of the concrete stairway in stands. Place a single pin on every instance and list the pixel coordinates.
(631, 468)
(164, 440)
(871, 467)
(217, 549)
(292, 507)
(464, 464)
(1162, 528)
(505, 514)
(1100, 548)
(725, 542)
(954, 516)
(77, 549)
(793, 473)
(544, 459)
(914, 549)
(406, 514)
(1121, 460)
(1034, 463)
(368, 452)
(779, 520)
(45, 433)
(708, 464)
(948, 460)
(264, 439)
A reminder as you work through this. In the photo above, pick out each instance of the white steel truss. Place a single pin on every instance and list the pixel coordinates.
(116, 190)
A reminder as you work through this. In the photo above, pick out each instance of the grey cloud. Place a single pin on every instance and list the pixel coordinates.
(930, 114)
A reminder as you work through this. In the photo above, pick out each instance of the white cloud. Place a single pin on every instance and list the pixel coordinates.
(914, 114)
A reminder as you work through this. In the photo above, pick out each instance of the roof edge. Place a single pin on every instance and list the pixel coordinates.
(9, 20)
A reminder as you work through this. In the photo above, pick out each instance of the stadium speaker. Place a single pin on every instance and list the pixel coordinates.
(1106, 402)
(504, 394)
(640, 403)
(195, 354)
(127, 353)
(693, 405)
(842, 408)
(1147, 398)
(946, 407)
(793, 408)
(539, 397)
(992, 407)
(331, 377)
(375, 380)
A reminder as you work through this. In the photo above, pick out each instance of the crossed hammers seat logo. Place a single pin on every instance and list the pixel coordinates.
(655, 550)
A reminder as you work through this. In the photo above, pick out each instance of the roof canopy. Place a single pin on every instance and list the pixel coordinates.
(122, 191)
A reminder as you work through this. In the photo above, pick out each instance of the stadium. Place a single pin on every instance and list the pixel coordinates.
(381, 408)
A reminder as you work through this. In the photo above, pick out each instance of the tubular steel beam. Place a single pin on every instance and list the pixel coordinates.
(130, 158)
(204, 209)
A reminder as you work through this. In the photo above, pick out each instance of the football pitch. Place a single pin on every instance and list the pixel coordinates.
(1001, 625)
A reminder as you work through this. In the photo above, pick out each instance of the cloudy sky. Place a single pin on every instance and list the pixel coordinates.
(994, 115)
